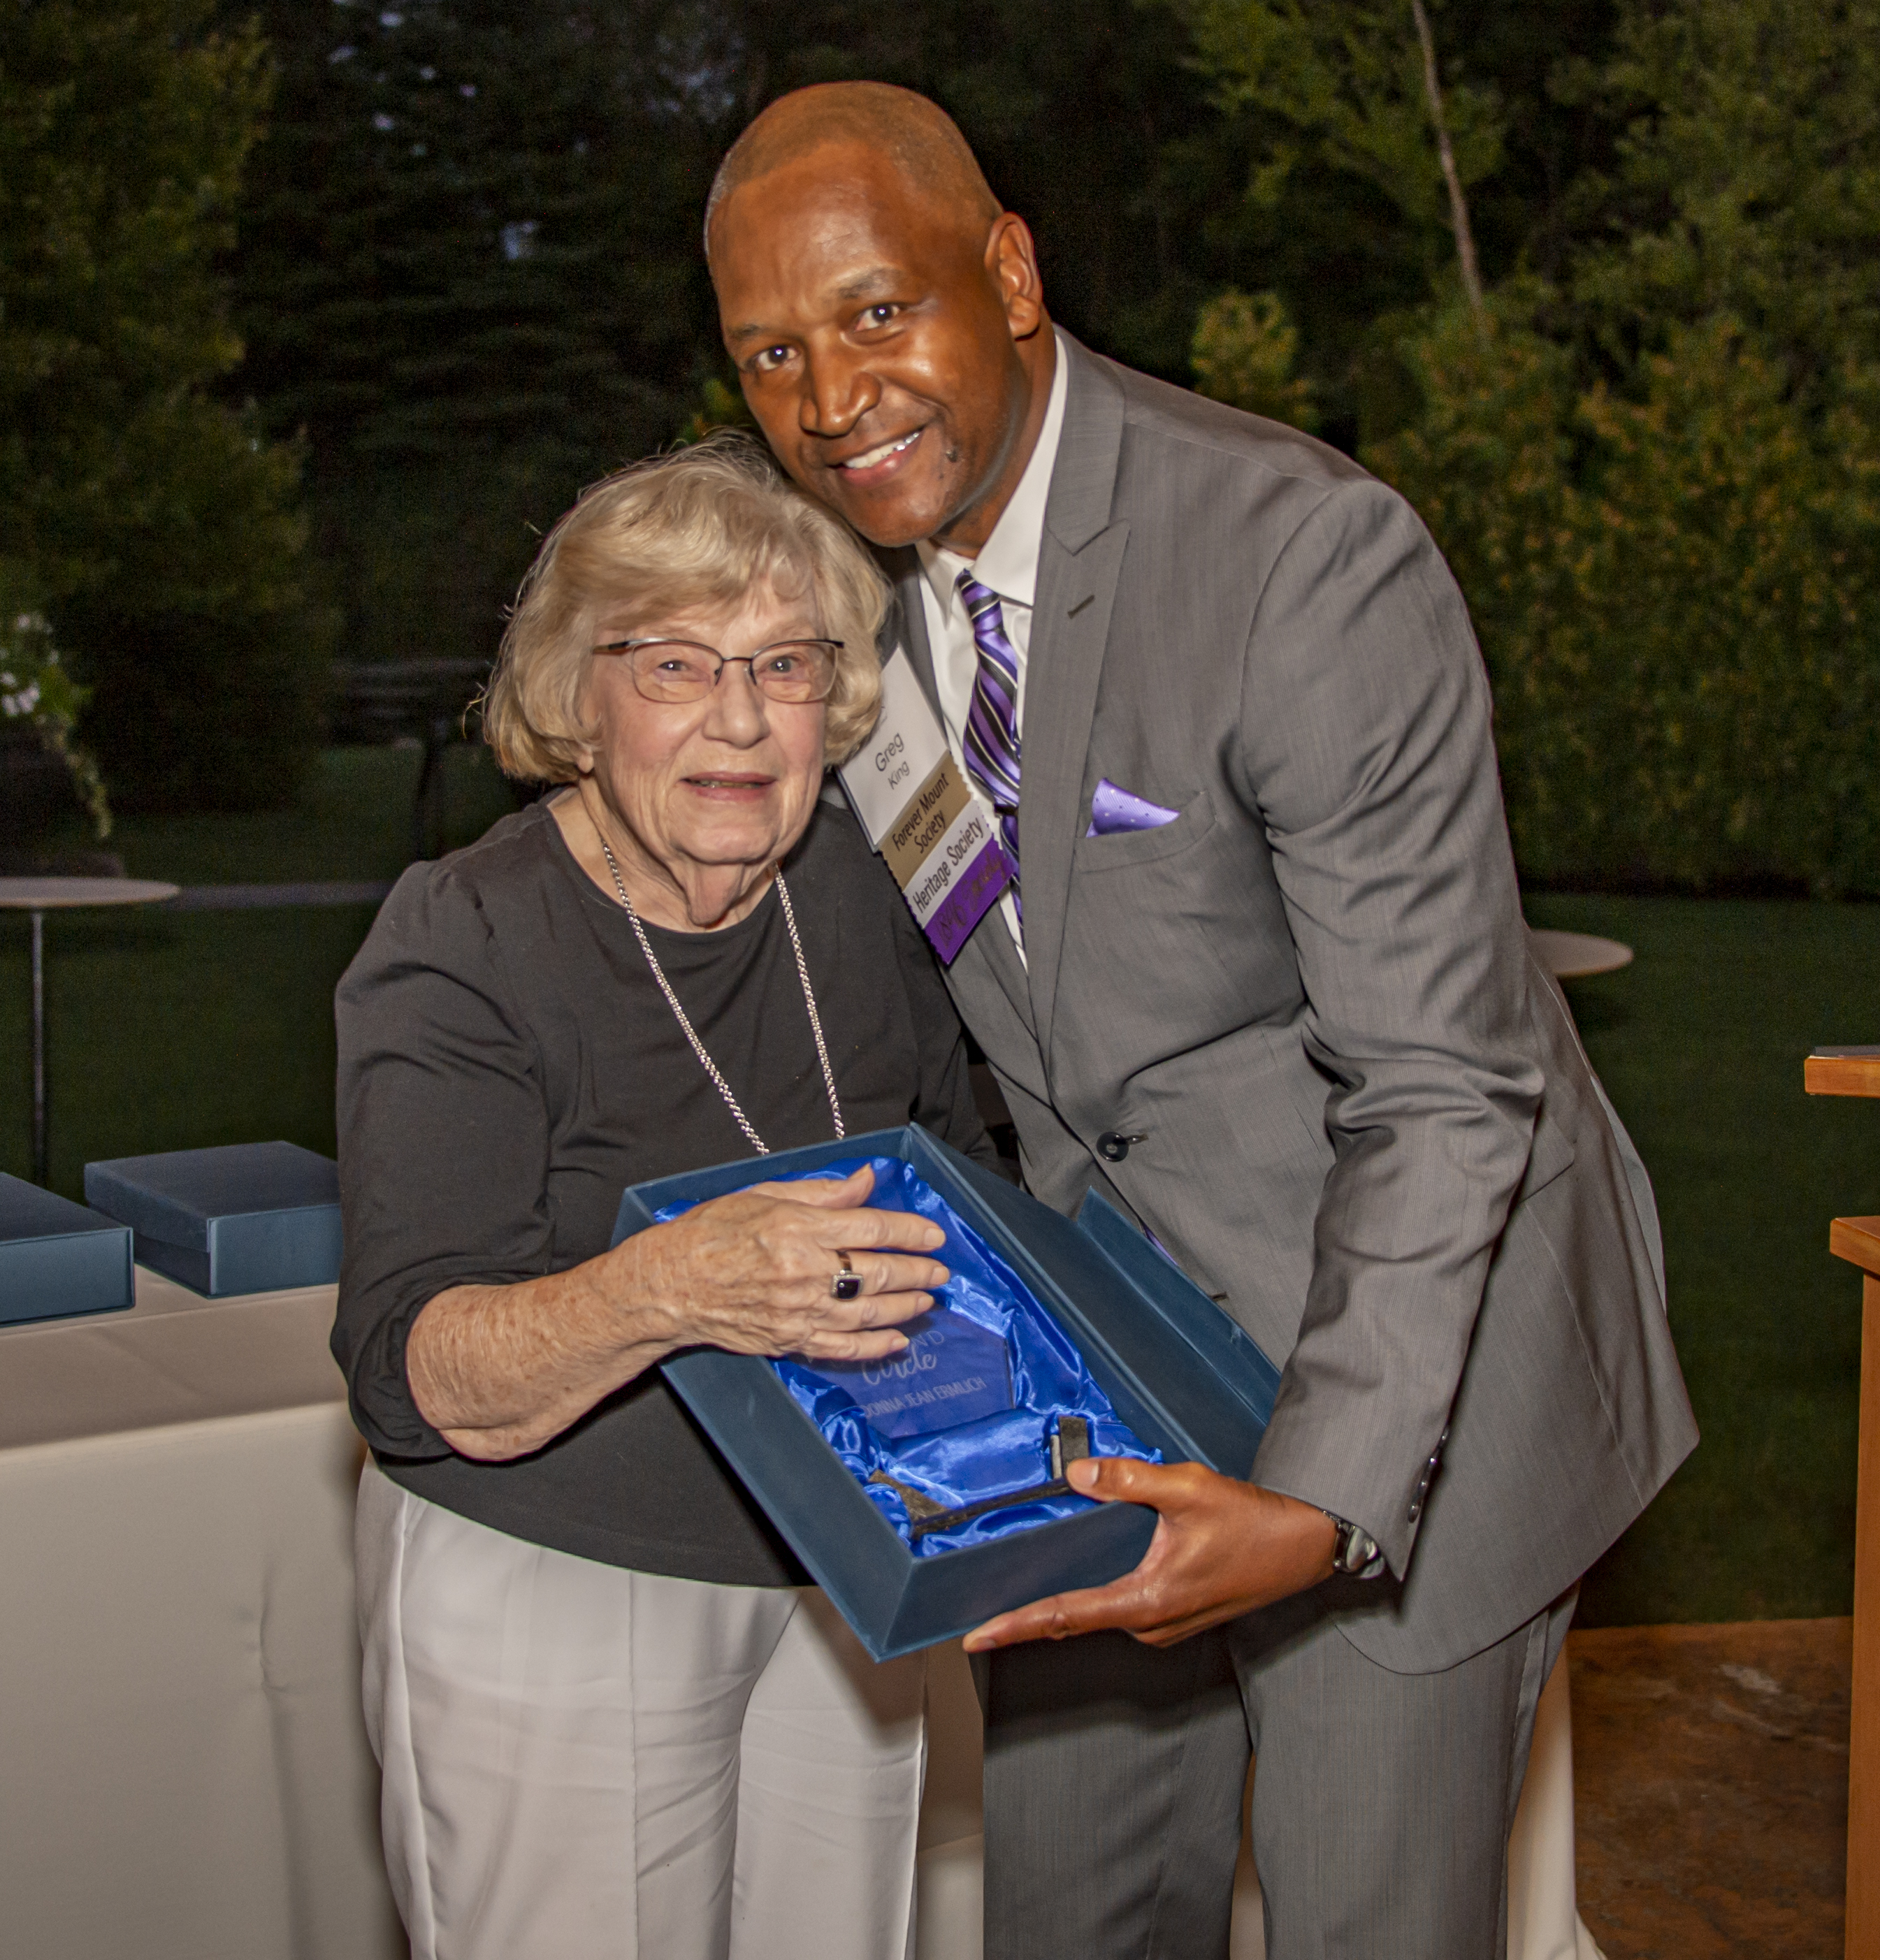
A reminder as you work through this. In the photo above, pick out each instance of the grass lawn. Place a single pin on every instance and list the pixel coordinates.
(1700, 1043)
(168, 1030)
(171, 1030)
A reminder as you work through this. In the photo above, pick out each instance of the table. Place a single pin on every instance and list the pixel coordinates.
(40, 896)
(1578, 956)
(187, 1775)
(1856, 1071)
(1857, 1240)
(1842, 1071)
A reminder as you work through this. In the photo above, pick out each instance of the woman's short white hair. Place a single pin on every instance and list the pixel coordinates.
(699, 528)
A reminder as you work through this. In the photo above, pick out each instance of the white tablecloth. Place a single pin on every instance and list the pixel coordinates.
(185, 1775)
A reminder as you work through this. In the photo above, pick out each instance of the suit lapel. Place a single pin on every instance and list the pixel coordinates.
(1080, 561)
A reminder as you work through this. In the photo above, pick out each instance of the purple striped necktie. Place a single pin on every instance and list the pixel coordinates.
(991, 741)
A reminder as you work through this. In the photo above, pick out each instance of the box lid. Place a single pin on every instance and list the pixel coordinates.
(173, 1195)
(27, 1212)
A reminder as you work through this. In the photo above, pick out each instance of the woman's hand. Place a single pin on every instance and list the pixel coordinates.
(500, 1370)
(751, 1272)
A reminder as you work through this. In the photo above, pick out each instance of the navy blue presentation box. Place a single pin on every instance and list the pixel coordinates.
(58, 1258)
(1180, 1373)
(238, 1218)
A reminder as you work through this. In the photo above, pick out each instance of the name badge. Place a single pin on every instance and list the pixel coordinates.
(938, 837)
(952, 1371)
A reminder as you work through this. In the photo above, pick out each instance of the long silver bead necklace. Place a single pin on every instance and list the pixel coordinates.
(691, 1033)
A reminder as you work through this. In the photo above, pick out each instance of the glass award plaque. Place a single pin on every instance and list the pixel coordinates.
(953, 1371)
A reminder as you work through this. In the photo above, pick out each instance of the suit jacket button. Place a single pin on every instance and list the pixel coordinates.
(1415, 1511)
(1113, 1146)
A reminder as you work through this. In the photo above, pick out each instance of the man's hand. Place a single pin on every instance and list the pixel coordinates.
(1222, 1547)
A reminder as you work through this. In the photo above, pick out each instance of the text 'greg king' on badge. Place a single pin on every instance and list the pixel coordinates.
(921, 815)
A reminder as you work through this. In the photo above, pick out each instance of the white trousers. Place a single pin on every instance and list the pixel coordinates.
(582, 1763)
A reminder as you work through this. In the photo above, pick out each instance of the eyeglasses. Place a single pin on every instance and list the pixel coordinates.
(674, 670)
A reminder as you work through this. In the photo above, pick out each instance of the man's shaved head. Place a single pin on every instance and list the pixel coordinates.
(884, 314)
(918, 137)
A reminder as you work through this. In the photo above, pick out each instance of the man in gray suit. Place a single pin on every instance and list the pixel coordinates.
(1264, 983)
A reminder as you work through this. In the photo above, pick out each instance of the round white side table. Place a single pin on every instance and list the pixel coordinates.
(40, 896)
(1578, 956)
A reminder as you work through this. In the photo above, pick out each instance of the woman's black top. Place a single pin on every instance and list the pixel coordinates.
(507, 1066)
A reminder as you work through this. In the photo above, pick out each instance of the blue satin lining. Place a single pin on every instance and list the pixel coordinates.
(1000, 1452)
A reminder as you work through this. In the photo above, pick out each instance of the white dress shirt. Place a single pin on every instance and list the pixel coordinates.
(1008, 565)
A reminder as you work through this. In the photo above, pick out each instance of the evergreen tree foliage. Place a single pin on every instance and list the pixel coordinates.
(1342, 82)
(1245, 347)
(470, 271)
(1675, 587)
(469, 279)
(152, 523)
(1339, 211)
(1660, 483)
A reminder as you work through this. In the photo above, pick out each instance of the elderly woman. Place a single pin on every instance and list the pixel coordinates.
(614, 1717)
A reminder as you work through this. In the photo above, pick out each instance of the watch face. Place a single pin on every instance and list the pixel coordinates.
(1355, 1550)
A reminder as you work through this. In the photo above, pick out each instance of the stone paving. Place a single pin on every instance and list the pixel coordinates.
(1710, 1766)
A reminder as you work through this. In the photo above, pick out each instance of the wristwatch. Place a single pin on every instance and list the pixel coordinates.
(1354, 1551)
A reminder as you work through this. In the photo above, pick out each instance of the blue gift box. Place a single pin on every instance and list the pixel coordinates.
(239, 1218)
(58, 1258)
(1184, 1376)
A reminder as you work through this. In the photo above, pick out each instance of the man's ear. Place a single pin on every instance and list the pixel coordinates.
(1011, 259)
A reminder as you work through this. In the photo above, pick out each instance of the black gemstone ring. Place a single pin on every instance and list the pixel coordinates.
(847, 1283)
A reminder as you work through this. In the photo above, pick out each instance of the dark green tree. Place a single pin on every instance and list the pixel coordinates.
(1659, 480)
(469, 277)
(151, 522)
(1088, 116)
(470, 265)
(1746, 181)
(1342, 214)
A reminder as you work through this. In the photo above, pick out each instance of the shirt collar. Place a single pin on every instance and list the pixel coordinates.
(1008, 561)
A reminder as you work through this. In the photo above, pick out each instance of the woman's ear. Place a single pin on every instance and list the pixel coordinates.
(585, 752)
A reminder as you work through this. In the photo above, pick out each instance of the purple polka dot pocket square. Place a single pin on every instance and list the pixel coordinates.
(1112, 809)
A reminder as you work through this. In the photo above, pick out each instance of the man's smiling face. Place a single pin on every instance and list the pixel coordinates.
(886, 347)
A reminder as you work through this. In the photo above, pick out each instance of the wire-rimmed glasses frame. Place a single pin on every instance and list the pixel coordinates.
(797, 671)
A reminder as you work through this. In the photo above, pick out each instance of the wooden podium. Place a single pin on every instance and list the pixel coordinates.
(1857, 1072)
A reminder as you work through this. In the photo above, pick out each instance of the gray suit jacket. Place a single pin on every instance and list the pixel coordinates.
(1369, 1128)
